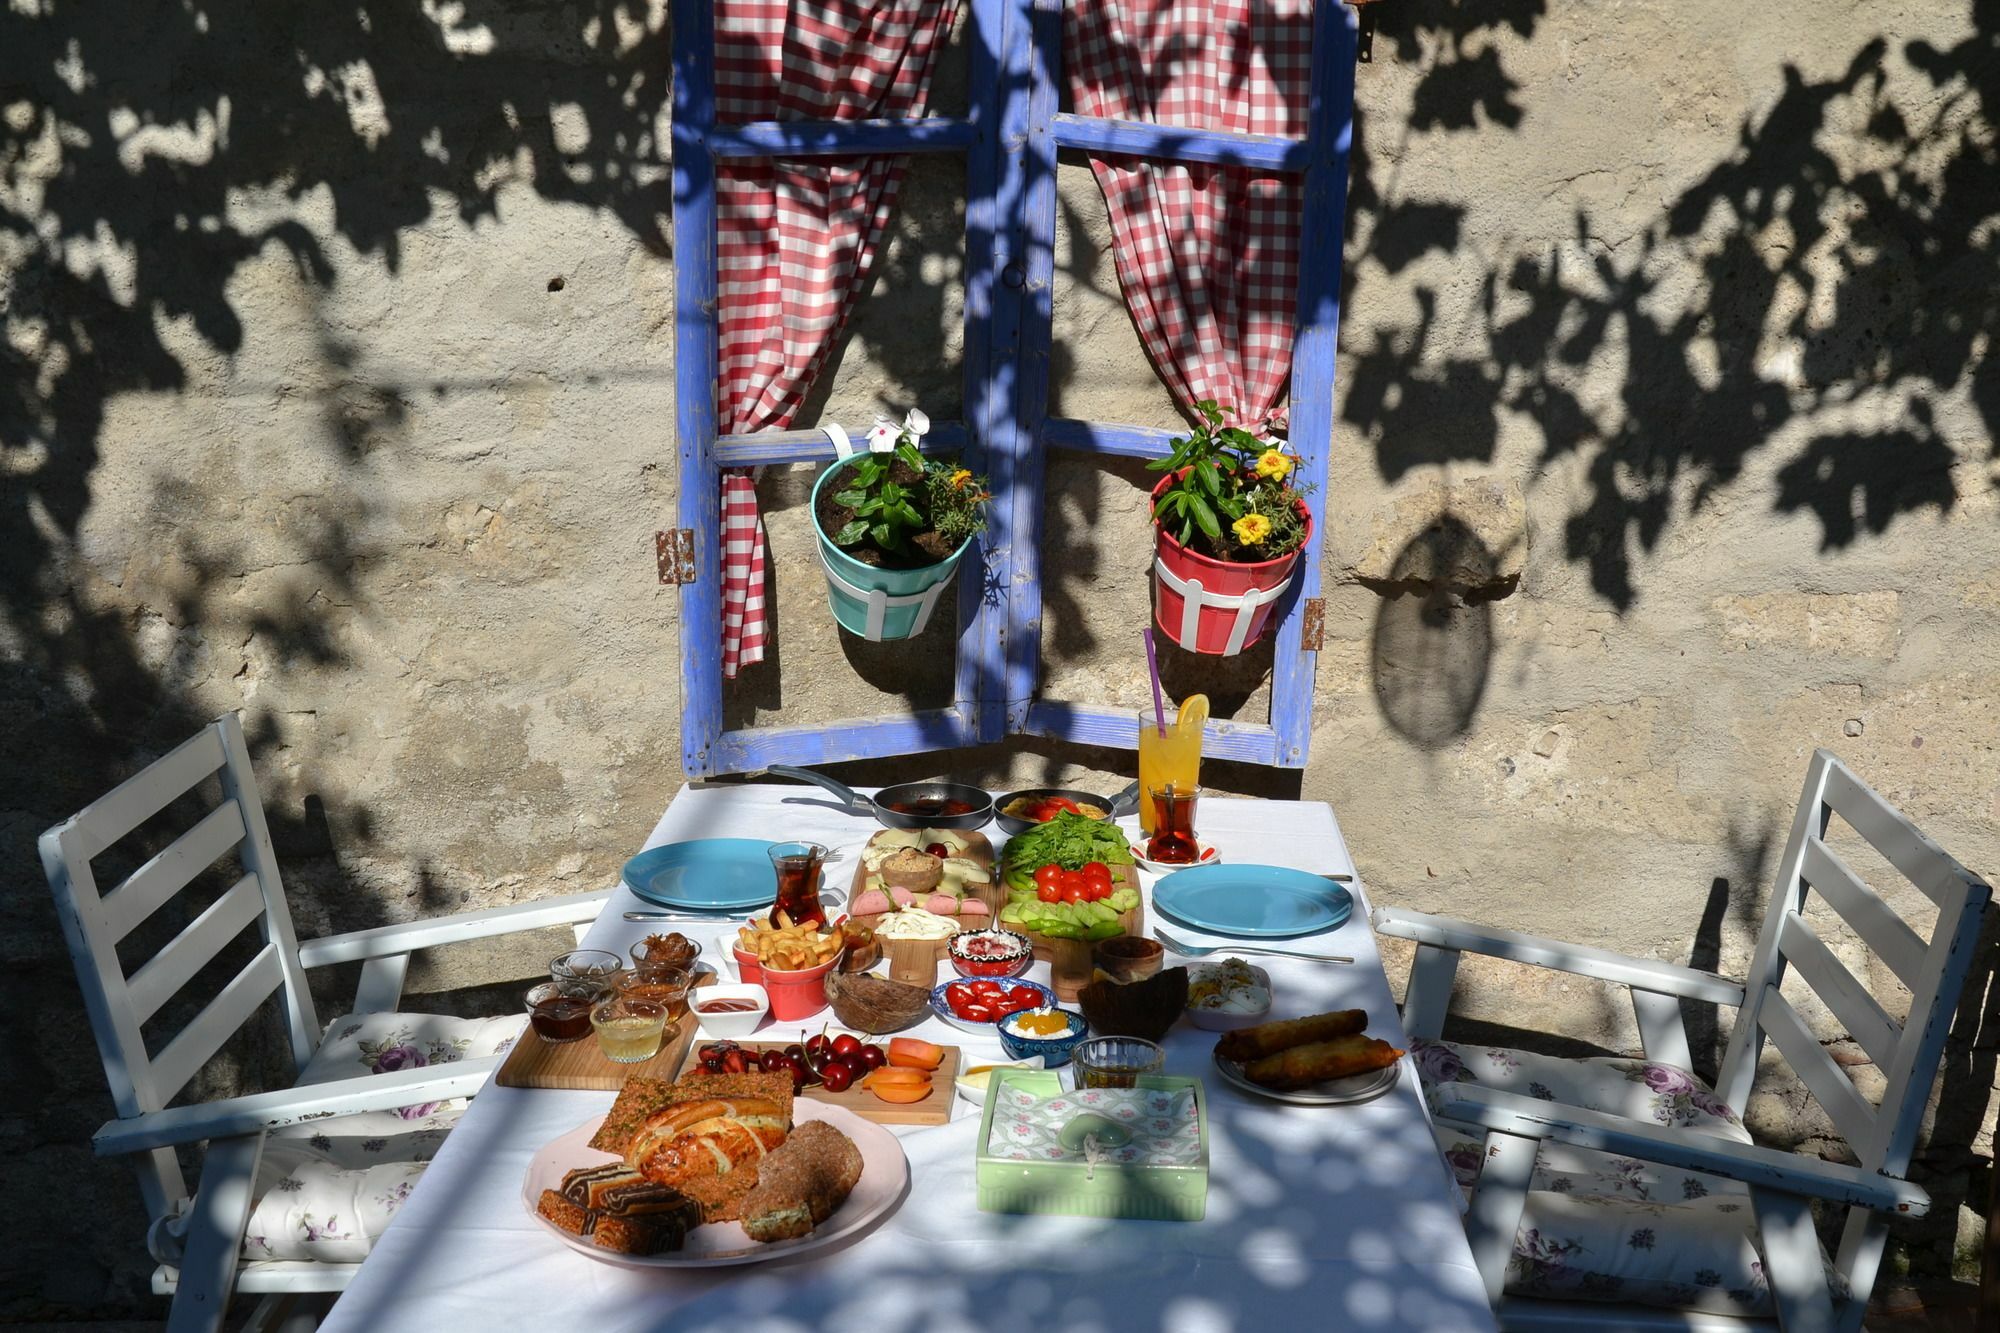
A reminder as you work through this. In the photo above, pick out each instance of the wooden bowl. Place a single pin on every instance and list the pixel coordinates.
(1128, 958)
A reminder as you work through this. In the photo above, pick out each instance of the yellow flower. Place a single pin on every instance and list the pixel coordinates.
(960, 477)
(1251, 529)
(1273, 463)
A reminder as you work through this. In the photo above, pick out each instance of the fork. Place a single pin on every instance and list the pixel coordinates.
(1203, 951)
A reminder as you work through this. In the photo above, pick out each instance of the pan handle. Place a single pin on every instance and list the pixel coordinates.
(1125, 802)
(849, 797)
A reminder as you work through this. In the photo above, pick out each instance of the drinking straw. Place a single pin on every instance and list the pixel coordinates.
(1159, 699)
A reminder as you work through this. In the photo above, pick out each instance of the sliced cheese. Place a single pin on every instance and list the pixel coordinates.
(964, 868)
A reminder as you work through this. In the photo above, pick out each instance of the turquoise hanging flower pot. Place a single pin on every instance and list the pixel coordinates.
(875, 603)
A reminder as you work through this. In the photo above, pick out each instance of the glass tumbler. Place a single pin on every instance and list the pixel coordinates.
(1116, 1062)
(628, 1029)
(597, 967)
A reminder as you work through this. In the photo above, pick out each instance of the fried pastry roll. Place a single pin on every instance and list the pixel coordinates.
(1254, 1043)
(1302, 1066)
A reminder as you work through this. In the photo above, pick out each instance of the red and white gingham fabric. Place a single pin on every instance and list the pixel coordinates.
(1208, 256)
(796, 240)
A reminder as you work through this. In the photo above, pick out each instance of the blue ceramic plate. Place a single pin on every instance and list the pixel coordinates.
(706, 875)
(1255, 902)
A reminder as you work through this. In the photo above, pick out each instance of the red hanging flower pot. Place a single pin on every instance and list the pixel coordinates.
(1214, 606)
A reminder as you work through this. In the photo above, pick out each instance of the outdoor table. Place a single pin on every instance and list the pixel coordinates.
(1318, 1217)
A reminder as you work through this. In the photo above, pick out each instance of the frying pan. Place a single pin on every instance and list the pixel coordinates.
(1124, 803)
(903, 793)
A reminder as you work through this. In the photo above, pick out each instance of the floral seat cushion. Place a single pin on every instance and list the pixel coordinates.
(326, 1188)
(1602, 1227)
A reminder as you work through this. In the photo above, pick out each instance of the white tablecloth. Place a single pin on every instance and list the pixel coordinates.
(1318, 1218)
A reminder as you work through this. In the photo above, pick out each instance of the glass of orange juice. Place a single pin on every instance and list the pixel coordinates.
(1173, 758)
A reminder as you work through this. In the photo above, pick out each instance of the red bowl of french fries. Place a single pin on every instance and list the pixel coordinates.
(790, 962)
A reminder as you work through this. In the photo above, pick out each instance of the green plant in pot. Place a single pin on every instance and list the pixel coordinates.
(892, 525)
(1229, 519)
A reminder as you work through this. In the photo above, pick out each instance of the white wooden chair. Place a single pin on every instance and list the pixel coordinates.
(198, 1239)
(1780, 1185)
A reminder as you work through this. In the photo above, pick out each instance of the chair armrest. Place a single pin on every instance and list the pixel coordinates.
(1644, 974)
(273, 1110)
(1768, 1168)
(407, 937)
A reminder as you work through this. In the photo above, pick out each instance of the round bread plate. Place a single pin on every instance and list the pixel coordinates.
(1252, 901)
(885, 1179)
(1334, 1092)
(704, 875)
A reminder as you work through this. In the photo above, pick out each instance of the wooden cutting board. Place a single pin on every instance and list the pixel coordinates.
(934, 1109)
(916, 961)
(534, 1063)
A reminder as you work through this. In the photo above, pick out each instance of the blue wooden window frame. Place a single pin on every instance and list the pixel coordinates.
(1010, 137)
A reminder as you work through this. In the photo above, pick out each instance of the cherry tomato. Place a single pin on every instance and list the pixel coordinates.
(985, 986)
(846, 1044)
(1049, 893)
(1049, 874)
(1025, 995)
(1072, 877)
(1072, 893)
(837, 1077)
(1097, 872)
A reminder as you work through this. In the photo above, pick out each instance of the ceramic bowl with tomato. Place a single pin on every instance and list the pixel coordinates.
(990, 953)
(978, 1004)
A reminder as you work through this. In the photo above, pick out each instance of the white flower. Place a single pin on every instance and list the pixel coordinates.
(882, 438)
(916, 423)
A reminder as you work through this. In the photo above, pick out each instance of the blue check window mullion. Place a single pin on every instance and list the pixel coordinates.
(1011, 137)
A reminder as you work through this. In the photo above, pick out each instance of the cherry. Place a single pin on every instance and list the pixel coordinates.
(796, 1052)
(837, 1077)
(772, 1061)
(872, 1056)
(846, 1044)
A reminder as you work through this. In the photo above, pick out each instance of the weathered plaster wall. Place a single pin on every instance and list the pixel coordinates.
(339, 390)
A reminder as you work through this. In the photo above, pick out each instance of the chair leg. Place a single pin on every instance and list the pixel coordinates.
(1428, 996)
(215, 1234)
(1494, 1214)
(1792, 1262)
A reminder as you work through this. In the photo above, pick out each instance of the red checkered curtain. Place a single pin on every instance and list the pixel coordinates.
(796, 240)
(1208, 256)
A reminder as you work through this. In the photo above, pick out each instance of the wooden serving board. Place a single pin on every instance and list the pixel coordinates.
(1069, 960)
(916, 961)
(934, 1109)
(534, 1063)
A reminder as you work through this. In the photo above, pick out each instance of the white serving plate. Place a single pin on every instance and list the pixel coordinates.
(1215, 1020)
(1334, 1092)
(885, 1179)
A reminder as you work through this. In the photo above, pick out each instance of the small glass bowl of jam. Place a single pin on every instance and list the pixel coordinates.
(656, 983)
(598, 967)
(629, 1031)
(559, 1011)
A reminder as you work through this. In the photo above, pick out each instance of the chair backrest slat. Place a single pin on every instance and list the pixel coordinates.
(1863, 909)
(1865, 1020)
(1901, 843)
(136, 800)
(184, 1056)
(239, 782)
(1832, 1089)
(191, 950)
(147, 889)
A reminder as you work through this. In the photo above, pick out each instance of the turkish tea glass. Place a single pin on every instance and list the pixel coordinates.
(798, 868)
(1173, 841)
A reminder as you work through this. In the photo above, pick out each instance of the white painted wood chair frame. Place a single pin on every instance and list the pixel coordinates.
(1781, 1184)
(207, 1229)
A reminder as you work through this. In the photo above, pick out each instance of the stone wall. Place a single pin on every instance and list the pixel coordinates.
(339, 390)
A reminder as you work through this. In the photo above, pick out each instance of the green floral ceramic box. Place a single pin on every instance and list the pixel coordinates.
(1100, 1152)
